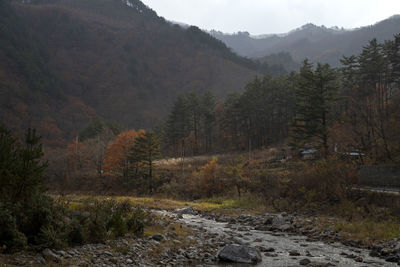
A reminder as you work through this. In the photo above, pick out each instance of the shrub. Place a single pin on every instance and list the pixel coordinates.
(135, 222)
(42, 222)
(117, 225)
(321, 181)
(109, 218)
(39, 224)
(51, 236)
(76, 234)
(10, 236)
(207, 182)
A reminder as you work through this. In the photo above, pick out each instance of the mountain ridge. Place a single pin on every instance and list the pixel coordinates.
(318, 43)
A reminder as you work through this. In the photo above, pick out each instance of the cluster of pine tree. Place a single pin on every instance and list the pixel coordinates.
(370, 107)
(316, 94)
(352, 108)
(256, 118)
(192, 122)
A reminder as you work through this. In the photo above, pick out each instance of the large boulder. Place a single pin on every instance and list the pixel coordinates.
(188, 210)
(239, 254)
(280, 223)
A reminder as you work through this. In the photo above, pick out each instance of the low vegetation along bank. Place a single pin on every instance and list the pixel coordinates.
(346, 218)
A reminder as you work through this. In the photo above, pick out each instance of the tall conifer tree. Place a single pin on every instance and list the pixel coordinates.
(145, 151)
(315, 95)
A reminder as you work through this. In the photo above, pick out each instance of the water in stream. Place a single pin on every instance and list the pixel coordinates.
(317, 252)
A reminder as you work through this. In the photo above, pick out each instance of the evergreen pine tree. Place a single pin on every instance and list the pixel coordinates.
(395, 60)
(208, 104)
(315, 94)
(21, 167)
(194, 109)
(145, 150)
(178, 123)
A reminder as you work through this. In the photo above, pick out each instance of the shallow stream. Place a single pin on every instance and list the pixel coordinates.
(317, 252)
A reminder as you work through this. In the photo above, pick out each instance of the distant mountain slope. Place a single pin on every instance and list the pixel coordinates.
(65, 61)
(318, 43)
(282, 59)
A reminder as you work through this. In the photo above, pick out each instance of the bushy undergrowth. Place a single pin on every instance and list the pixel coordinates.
(30, 217)
(312, 186)
(321, 181)
(96, 221)
(50, 224)
(306, 182)
(9, 233)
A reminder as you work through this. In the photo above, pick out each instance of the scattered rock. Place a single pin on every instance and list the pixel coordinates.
(264, 249)
(294, 253)
(41, 260)
(62, 253)
(393, 258)
(374, 253)
(268, 254)
(278, 221)
(48, 254)
(158, 237)
(107, 253)
(269, 221)
(304, 262)
(239, 254)
(320, 264)
(189, 210)
(308, 254)
(385, 251)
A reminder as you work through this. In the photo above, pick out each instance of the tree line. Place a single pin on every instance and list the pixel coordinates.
(351, 108)
(258, 117)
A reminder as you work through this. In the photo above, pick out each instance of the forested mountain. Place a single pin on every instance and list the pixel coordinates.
(318, 43)
(63, 62)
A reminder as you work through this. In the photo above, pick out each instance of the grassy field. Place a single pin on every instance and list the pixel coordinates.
(223, 205)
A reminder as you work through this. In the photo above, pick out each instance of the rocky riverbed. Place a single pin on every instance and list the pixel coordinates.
(186, 238)
(277, 238)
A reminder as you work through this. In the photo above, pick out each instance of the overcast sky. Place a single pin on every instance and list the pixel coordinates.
(273, 16)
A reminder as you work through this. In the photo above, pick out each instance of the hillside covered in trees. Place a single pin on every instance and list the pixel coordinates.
(63, 63)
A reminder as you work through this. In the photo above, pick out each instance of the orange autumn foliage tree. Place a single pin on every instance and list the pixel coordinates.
(116, 163)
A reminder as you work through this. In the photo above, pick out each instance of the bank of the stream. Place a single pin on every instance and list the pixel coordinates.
(346, 219)
(172, 239)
